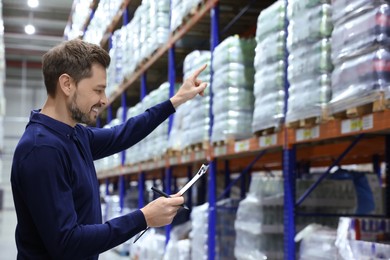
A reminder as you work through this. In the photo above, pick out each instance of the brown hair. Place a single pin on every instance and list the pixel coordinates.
(74, 57)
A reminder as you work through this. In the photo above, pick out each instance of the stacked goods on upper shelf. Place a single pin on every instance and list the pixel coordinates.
(144, 34)
(232, 88)
(104, 14)
(360, 52)
(155, 144)
(309, 60)
(181, 9)
(115, 70)
(269, 88)
(81, 12)
(197, 117)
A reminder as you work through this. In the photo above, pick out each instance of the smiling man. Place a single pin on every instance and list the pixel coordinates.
(54, 182)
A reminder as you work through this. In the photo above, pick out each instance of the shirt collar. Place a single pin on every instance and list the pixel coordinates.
(58, 126)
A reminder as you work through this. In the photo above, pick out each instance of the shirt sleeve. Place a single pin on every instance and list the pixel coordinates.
(45, 186)
(108, 141)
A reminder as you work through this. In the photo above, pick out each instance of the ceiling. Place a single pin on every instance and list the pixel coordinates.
(23, 52)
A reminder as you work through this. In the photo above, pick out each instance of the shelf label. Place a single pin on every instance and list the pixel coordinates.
(199, 155)
(307, 133)
(173, 160)
(242, 146)
(268, 140)
(185, 158)
(357, 124)
(220, 150)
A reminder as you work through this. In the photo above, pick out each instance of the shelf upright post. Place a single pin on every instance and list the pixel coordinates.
(212, 177)
(227, 178)
(122, 184)
(289, 163)
(387, 191)
(376, 166)
(141, 176)
(168, 190)
(289, 202)
(172, 81)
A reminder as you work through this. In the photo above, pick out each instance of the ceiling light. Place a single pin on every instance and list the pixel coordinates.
(33, 3)
(29, 29)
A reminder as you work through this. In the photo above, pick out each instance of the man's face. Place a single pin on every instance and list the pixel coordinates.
(89, 97)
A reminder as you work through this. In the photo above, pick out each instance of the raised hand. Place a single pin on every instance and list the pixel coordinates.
(190, 88)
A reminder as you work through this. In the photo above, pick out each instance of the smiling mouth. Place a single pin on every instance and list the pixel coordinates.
(95, 109)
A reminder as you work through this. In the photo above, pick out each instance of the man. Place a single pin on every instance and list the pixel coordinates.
(53, 178)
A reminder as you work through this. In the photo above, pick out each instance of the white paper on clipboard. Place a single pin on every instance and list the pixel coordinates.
(202, 170)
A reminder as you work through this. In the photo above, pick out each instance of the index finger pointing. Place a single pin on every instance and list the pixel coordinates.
(198, 71)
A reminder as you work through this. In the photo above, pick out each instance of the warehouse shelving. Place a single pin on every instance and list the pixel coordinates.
(338, 141)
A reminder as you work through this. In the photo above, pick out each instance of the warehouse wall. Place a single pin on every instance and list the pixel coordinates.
(21, 97)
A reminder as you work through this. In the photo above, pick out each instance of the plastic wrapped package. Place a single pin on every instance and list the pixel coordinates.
(188, 5)
(296, 7)
(358, 81)
(269, 111)
(309, 61)
(308, 98)
(176, 14)
(225, 232)
(361, 34)
(231, 98)
(199, 232)
(271, 20)
(258, 228)
(268, 80)
(317, 242)
(233, 75)
(355, 249)
(234, 50)
(270, 50)
(232, 125)
(345, 9)
(195, 59)
(310, 26)
(150, 246)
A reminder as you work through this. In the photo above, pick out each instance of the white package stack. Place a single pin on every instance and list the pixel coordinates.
(309, 60)
(269, 87)
(198, 118)
(232, 88)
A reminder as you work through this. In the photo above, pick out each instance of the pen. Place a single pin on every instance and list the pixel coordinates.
(166, 196)
(161, 193)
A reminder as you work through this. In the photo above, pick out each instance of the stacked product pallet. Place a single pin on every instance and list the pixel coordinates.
(102, 17)
(225, 232)
(232, 87)
(269, 88)
(309, 60)
(360, 52)
(81, 12)
(115, 70)
(259, 222)
(155, 144)
(198, 116)
(136, 41)
(180, 10)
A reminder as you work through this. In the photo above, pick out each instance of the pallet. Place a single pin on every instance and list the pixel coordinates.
(267, 131)
(196, 147)
(362, 110)
(305, 122)
(223, 142)
(173, 152)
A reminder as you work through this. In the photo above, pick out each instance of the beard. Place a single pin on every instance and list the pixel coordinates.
(78, 115)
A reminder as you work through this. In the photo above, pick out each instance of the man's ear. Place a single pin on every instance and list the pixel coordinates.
(65, 84)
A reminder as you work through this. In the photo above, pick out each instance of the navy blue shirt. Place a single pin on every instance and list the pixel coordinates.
(56, 190)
